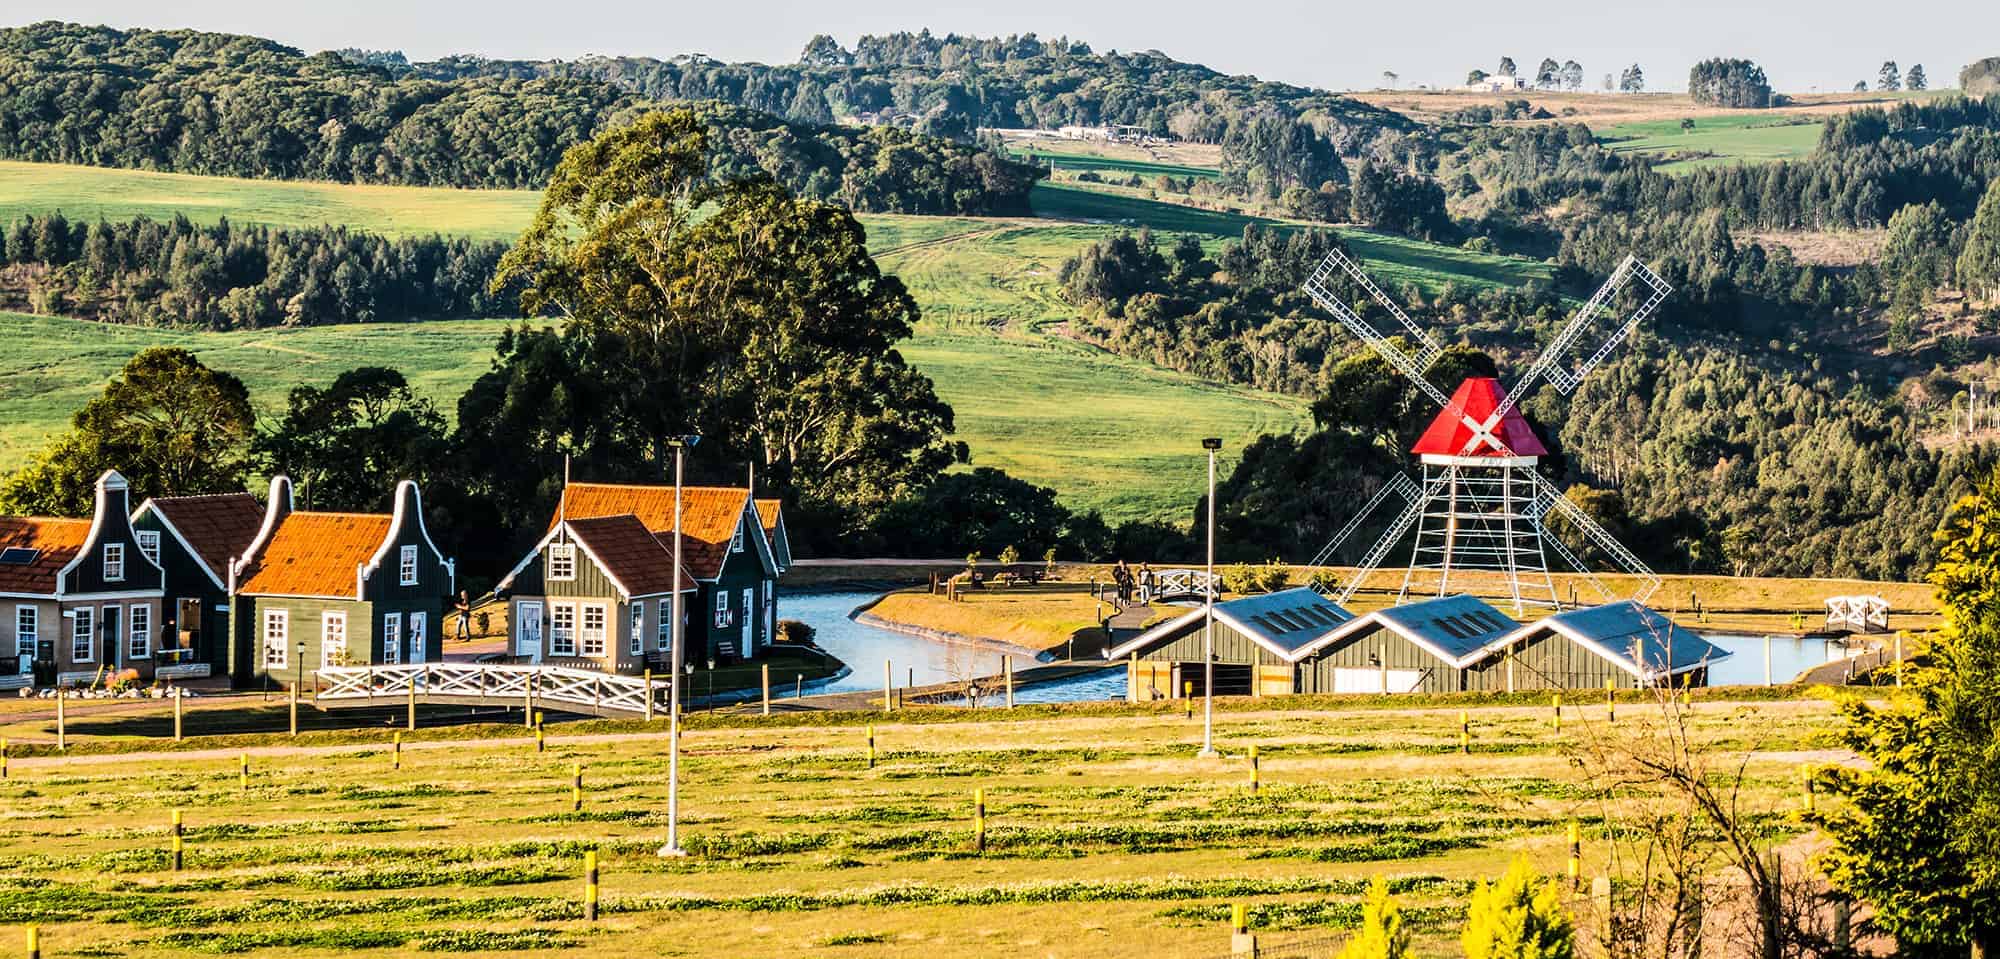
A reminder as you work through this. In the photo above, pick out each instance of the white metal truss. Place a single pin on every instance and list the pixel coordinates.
(1399, 485)
(1480, 519)
(1550, 499)
(1388, 542)
(1411, 365)
(1549, 364)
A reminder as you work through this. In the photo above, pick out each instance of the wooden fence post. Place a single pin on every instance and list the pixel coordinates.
(528, 700)
(649, 694)
(1007, 667)
(177, 714)
(62, 722)
(293, 695)
(410, 718)
(888, 687)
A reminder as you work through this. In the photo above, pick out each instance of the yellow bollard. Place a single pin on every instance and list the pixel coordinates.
(576, 787)
(871, 745)
(590, 886)
(1575, 853)
(541, 743)
(979, 820)
(1187, 696)
(1464, 733)
(1253, 769)
(3, 758)
(34, 942)
(243, 770)
(1806, 780)
(1556, 704)
(176, 833)
(1611, 701)
(396, 753)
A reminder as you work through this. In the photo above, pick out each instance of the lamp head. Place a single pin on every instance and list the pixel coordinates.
(687, 440)
(1212, 443)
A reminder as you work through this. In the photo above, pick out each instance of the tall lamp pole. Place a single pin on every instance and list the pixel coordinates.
(681, 445)
(1211, 444)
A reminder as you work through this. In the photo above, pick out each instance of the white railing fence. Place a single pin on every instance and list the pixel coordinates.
(555, 686)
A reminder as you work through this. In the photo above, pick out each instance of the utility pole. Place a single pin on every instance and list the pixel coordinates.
(1211, 444)
(681, 444)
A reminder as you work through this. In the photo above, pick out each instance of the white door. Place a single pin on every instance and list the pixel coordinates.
(419, 641)
(392, 638)
(528, 632)
(749, 642)
(1369, 680)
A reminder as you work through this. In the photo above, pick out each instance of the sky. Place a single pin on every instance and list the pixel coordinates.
(1803, 46)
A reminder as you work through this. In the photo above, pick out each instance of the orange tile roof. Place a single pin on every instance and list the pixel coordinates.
(218, 527)
(315, 554)
(630, 553)
(58, 541)
(711, 513)
(767, 514)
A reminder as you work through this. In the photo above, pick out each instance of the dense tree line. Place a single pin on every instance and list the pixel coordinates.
(228, 276)
(232, 105)
(1724, 82)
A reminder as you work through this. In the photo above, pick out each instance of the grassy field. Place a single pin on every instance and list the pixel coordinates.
(92, 192)
(1105, 837)
(1733, 138)
(1102, 164)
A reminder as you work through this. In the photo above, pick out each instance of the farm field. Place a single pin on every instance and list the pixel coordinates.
(1105, 837)
(1746, 138)
(1597, 109)
(1087, 161)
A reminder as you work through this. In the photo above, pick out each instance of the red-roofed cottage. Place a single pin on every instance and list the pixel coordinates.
(194, 539)
(338, 589)
(79, 601)
(597, 590)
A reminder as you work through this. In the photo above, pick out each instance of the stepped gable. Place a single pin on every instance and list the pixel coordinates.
(1477, 398)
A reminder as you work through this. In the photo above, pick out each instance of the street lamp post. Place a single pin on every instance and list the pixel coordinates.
(1211, 444)
(681, 445)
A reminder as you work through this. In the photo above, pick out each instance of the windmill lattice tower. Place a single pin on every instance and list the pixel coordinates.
(1481, 511)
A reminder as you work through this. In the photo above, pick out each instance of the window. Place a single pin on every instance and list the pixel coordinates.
(666, 624)
(736, 538)
(419, 650)
(408, 568)
(562, 629)
(27, 631)
(333, 636)
(638, 637)
(721, 607)
(593, 630)
(139, 627)
(83, 635)
(149, 545)
(277, 639)
(114, 562)
(562, 561)
(392, 638)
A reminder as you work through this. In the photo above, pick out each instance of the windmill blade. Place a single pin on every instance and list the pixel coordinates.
(1548, 500)
(1554, 363)
(1390, 537)
(1401, 485)
(1410, 364)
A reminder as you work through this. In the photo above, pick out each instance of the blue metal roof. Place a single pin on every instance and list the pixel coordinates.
(1284, 620)
(1456, 625)
(1626, 629)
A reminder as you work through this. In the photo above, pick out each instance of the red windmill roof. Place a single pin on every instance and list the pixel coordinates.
(1476, 399)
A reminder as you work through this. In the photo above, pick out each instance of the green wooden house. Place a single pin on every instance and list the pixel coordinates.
(194, 539)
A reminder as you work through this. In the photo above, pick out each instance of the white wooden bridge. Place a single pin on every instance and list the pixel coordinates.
(561, 688)
(1182, 584)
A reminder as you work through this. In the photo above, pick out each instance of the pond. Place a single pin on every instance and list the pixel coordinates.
(917, 660)
(1790, 656)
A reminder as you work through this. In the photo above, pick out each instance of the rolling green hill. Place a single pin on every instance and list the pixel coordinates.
(1110, 433)
(1751, 138)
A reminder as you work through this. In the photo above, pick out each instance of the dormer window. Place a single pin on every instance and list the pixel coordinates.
(114, 562)
(562, 562)
(149, 545)
(407, 570)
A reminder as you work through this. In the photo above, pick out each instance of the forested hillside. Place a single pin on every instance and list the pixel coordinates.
(223, 104)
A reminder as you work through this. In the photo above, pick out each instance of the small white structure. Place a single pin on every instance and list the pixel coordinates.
(1496, 83)
(1860, 614)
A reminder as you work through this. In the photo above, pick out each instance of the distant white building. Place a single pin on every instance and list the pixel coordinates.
(1496, 83)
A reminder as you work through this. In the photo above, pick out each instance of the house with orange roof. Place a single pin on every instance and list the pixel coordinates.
(316, 588)
(194, 539)
(771, 513)
(591, 593)
(79, 601)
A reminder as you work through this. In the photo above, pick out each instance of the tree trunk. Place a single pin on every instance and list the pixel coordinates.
(1986, 944)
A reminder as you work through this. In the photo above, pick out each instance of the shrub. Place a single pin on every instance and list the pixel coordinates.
(1381, 935)
(793, 631)
(1520, 917)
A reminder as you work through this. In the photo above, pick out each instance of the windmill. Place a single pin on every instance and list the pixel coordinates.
(1481, 510)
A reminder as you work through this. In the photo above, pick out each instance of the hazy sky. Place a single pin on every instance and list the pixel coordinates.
(1828, 44)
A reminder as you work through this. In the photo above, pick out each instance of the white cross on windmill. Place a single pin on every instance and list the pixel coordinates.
(1481, 509)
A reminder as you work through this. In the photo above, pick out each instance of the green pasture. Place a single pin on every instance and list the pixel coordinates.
(1104, 836)
(1082, 161)
(1754, 137)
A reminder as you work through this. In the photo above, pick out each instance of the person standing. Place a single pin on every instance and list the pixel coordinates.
(463, 607)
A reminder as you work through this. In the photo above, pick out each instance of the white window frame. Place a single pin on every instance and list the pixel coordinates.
(83, 635)
(27, 632)
(139, 631)
(565, 571)
(406, 569)
(736, 538)
(637, 642)
(332, 635)
(666, 612)
(149, 544)
(278, 625)
(562, 629)
(722, 617)
(114, 562)
(417, 638)
(591, 640)
(392, 638)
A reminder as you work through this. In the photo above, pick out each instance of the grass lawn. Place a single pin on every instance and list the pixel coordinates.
(1752, 137)
(1085, 161)
(1104, 836)
(1041, 618)
(87, 193)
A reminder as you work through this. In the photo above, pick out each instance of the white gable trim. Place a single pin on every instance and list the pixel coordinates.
(149, 507)
(1153, 635)
(90, 540)
(281, 491)
(396, 522)
(1380, 621)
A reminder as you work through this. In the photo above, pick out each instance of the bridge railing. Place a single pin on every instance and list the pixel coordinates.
(501, 683)
(1183, 583)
